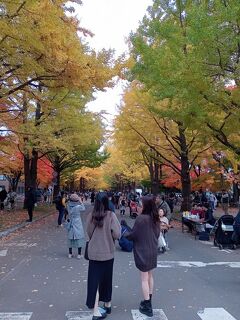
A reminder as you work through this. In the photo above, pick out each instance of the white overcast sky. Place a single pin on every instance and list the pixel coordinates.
(111, 21)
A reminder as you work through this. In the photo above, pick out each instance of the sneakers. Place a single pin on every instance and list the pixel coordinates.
(103, 315)
(79, 256)
(146, 308)
(107, 309)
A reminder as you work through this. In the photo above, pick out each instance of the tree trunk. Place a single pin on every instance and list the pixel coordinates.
(72, 184)
(57, 185)
(156, 178)
(153, 169)
(133, 186)
(30, 157)
(27, 179)
(185, 170)
(57, 168)
(30, 170)
(14, 180)
(186, 190)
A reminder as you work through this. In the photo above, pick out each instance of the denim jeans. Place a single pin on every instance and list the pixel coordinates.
(60, 215)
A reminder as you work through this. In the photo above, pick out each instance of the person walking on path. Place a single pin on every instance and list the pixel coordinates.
(225, 201)
(145, 236)
(92, 196)
(110, 199)
(103, 228)
(61, 206)
(162, 204)
(74, 226)
(30, 200)
(122, 205)
(11, 197)
(3, 196)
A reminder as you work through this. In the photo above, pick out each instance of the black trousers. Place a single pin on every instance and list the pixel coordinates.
(30, 212)
(188, 224)
(2, 205)
(100, 274)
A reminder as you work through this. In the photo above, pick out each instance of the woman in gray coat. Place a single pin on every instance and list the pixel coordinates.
(145, 235)
(76, 238)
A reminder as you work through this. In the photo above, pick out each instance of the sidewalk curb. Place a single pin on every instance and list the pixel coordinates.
(7, 232)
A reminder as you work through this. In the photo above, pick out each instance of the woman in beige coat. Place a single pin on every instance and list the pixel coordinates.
(103, 228)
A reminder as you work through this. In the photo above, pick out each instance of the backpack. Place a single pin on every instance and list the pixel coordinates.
(204, 236)
(123, 203)
(124, 243)
(225, 198)
(11, 198)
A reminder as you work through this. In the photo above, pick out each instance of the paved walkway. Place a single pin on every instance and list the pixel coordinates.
(193, 281)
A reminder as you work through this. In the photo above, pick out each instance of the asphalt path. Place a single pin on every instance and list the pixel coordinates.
(39, 282)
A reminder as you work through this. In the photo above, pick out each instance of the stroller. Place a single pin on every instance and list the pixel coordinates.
(223, 231)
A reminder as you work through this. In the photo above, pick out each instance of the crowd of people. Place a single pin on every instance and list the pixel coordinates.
(7, 199)
(151, 214)
(103, 229)
(223, 199)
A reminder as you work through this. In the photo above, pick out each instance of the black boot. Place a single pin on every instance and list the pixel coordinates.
(146, 308)
(150, 297)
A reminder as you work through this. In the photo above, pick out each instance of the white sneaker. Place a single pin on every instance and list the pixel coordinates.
(70, 256)
(79, 256)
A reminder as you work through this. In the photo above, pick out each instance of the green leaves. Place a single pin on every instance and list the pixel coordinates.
(188, 52)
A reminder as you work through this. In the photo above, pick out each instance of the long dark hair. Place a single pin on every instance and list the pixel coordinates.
(150, 208)
(101, 206)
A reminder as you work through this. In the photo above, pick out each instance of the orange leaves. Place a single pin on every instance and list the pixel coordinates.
(45, 171)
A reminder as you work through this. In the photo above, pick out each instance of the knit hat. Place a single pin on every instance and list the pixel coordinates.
(74, 197)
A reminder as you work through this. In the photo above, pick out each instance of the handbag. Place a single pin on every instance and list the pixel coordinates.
(86, 246)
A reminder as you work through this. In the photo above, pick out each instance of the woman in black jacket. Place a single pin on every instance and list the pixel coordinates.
(30, 200)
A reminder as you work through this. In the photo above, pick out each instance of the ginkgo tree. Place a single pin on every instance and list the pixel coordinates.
(189, 51)
(146, 127)
(45, 48)
(123, 171)
(45, 67)
(94, 178)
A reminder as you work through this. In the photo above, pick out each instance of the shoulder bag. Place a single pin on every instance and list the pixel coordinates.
(86, 247)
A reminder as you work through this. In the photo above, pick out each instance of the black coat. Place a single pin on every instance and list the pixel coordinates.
(3, 195)
(209, 218)
(30, 198)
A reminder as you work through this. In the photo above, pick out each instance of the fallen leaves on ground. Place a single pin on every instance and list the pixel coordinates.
(9, 219)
